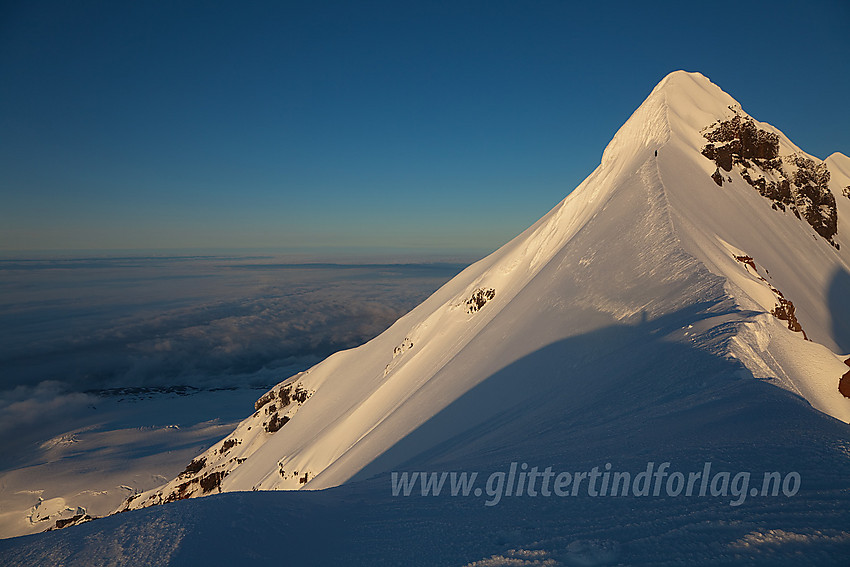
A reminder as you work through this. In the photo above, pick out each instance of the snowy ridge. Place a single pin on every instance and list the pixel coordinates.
(648, 240)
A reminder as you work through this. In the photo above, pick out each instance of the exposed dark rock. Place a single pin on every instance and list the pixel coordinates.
(181, 492)
(720, 155)
(72, 521)
(300, 395)
(747, 260)
(195, 466)
(718, 177)
(846, 191)
(228, 445)
(303, 479)
(62, 523)
(844, 383)
(745, 139)
(479, 297)
(784, 309)
(284, 396)
(198, 477)
(212, 481)
(777, 191)
(813, 197)
(264, 399)
(275, 423)
(739, 142)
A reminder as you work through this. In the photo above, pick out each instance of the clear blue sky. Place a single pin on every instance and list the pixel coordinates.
(440, 125)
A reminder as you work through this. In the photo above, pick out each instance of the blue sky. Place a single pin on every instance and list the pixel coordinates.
(433, 126)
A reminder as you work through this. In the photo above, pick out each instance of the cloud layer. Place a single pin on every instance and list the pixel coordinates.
(206, 322)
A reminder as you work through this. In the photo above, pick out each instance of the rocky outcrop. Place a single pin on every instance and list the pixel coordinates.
(264, 399)
(738, 140)
(212, 481)
(793, 181)
(302, 479)
(844, 383)
(72, 521)
(194, 467)
(275, 423)
(479, 297)
(228, 445)
(205, 473)
(748, 260)
(814, 200)
(718, 177)
(285, 396)
(784, 309)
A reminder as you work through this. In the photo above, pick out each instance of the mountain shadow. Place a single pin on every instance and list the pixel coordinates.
(839, 309)
(625, 394)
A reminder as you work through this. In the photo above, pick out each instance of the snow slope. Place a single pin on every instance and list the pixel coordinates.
(637, 321)
(647, 235)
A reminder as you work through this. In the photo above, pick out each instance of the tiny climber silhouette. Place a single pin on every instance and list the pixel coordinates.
(656, 153)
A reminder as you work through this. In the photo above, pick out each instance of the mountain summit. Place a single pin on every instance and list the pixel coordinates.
(705, 259)
(687, 305)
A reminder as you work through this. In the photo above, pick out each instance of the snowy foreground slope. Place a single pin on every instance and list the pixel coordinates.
(687, 303)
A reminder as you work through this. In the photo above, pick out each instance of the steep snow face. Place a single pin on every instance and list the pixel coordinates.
(794, 265)
(648, 253)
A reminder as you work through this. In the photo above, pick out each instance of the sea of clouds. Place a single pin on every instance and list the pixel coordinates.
(77, 328)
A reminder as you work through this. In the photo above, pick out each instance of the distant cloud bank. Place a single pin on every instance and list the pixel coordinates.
(93, 324)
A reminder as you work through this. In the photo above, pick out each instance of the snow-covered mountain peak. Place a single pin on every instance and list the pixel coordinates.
(680, 108)
(702, 227)
(682, 101)
(684, 91)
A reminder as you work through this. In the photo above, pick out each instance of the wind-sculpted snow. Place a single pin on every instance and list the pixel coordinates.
(639, 321)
